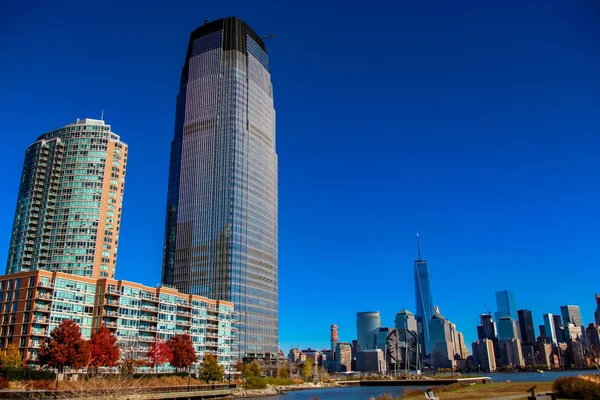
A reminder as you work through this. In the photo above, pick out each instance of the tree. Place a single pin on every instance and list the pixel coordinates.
(182, 350)
(64, 348)
(284, 371)
(103, 348)
(307, 368)
(252, 369)
(130, 356)
(210, 370)
(160, 353)
(11, 357)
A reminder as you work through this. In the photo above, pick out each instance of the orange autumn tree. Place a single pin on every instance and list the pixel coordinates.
(64, 348)
(182, 350)
(103, 349)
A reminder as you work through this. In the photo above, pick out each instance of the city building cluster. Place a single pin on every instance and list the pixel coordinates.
(506, 340)
(220, 268)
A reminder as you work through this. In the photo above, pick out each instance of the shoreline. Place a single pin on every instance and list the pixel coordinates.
(276, 390)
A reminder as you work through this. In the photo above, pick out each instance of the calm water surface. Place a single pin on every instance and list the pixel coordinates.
(363, 393)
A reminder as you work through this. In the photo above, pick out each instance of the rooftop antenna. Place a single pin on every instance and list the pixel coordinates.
(418, 247)
(271, 36)
(206, 20)
(102, 116)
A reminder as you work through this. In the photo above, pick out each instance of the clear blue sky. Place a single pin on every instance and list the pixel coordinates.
(475, 124)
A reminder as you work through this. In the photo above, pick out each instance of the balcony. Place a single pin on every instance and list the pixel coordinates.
(113, 291)
(212, 327)
(45, 285)
(150, 299)
(184, 314)
(147, 318)
(111, 303)
(39, 332)
(148, 328)
(111, 314)
(183, 322)
(40, 320)
(109, 324)
(44, 296)
(146, 338)
(149, 308)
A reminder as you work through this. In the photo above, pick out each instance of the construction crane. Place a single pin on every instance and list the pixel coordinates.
(271, 36)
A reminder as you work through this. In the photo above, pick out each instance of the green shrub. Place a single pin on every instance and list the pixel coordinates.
(255, 382)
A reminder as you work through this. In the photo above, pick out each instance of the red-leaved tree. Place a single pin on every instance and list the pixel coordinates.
(182, 350)
(103, 348)
(64, 348)
(160, 353)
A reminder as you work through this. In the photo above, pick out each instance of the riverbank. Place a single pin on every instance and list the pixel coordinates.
(275, 390)
(483, 391)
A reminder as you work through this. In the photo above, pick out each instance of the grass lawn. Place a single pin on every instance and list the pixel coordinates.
(486, 391)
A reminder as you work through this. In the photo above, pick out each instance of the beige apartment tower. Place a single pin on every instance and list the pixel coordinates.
(70, 202)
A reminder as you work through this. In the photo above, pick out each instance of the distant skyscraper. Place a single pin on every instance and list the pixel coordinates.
(70, 202)
(442, 346)
(597, 312)
(571, 315)
(526, 326)
(549, 328)
(423, 297)
(506, 328)
(483, 355)
(221, 222)
(593, 336)
(507, 305)
(558, 328)
(542, 329)
(487, 329)
(367, 326)
(334, 337)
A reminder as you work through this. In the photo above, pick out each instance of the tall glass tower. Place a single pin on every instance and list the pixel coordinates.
(221, 223)
(423, 299)
(70, 202)
(507, 305)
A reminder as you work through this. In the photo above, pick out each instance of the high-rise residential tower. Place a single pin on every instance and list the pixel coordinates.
(70, 202)
(221, 222)
(423, 298)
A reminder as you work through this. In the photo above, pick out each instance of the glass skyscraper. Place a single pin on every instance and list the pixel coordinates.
(507, 305)
(70, 202)
(221, 222)
(423, 299)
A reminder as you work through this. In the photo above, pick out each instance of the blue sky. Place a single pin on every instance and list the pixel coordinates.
(475, 124)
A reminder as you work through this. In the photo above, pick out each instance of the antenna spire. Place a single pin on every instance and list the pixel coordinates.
(418, 247)
(102, 116)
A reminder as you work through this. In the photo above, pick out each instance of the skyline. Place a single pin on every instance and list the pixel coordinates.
(521, 201)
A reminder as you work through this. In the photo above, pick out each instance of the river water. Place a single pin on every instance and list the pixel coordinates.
(364, 393)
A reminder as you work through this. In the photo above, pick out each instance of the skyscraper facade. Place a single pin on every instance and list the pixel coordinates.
(507, 305)
(571, 315)
(526, 326)
(367, 326)
(549, 328)
(597, 311)
(221, 222)
(423, 299)
(70, 202)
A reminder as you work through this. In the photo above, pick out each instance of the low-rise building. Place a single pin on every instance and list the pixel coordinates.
(33, 303)
(371, 361)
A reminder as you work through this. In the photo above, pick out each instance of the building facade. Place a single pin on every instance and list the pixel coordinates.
(442, 345)
(343, 353)
(507, 328)
(221, 237)
(597, 311)
(33, 303)
(526, 326)
(423, 299)
(549, 329)
(70, 202)
(507, 305)
(483, 355)
(571, 315)
(367, 326)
